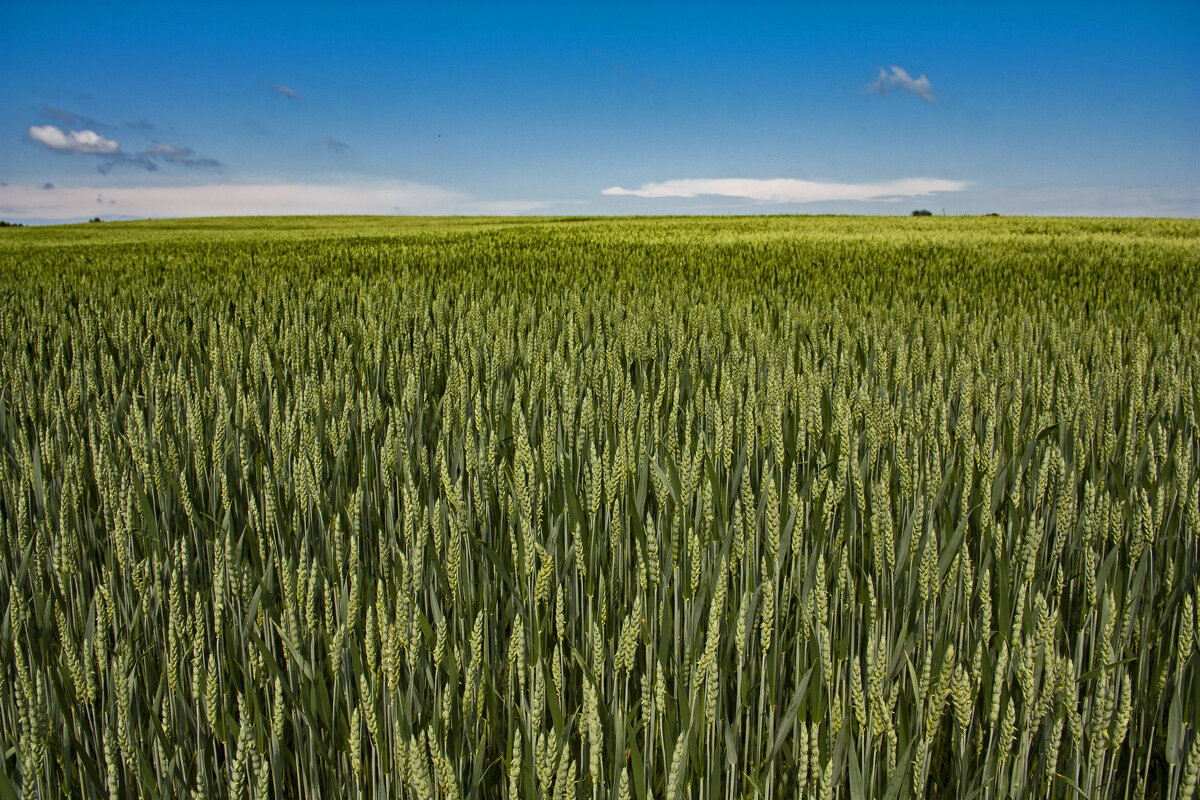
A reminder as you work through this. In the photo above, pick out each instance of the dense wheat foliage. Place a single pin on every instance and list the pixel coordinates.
(589, 509)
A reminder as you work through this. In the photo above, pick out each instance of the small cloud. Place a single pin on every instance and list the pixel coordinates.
(140, 125)
(140, 160)
(286, 91)
(47, 186)
(162, 153)
(180, 155)
(85, 141)
(335, 145)
(788, 190)
(900, 79)
(168, 152)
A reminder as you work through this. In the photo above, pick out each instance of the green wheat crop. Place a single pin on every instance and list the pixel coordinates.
(682, 508)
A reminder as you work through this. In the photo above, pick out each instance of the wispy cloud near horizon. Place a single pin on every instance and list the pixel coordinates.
(789, 190)
(900, 79)
(220, 200)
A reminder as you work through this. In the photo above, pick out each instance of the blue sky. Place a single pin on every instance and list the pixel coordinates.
(136, 110)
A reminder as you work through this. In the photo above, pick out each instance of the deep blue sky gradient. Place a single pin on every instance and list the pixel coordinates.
(1040, 107)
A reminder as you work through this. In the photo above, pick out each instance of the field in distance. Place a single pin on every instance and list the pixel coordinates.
(702, 507)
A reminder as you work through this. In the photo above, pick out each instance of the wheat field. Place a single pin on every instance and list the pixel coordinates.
(638, 508)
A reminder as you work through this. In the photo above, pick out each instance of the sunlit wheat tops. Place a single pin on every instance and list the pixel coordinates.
(635, 509)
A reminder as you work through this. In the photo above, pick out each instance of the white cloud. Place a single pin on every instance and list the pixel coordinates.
(900, 79)
(788, 190)
(84, 141)
(92, 143)
(219, 200)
